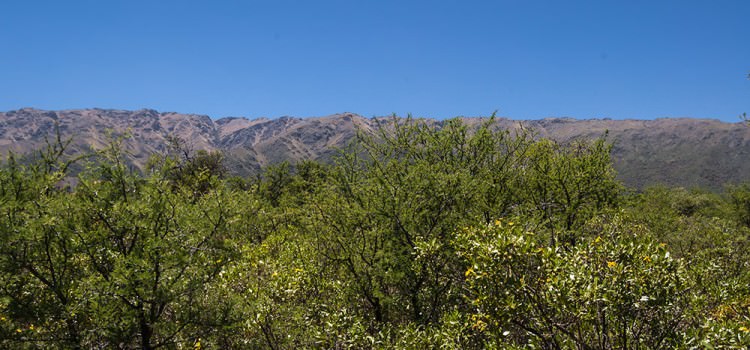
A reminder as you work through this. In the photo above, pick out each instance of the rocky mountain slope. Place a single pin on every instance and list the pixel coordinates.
(677, 152)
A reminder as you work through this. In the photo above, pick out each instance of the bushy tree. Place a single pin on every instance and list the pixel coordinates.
(39, 265)
(395, 201)
(618, 290)
(122, 261)
(740, 201)
(564, 185)
(185, 168)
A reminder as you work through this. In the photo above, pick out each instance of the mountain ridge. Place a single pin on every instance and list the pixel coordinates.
(672, 151)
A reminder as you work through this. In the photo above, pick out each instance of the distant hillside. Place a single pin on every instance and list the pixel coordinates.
(677, 152)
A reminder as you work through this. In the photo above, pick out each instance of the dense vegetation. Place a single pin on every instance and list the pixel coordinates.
(416, 238)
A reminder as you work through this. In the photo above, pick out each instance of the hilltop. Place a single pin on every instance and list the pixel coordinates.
(675, 152)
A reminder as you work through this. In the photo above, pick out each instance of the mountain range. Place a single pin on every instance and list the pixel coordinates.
(675, 152)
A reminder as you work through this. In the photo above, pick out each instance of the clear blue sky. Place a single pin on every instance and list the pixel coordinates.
(525, 59)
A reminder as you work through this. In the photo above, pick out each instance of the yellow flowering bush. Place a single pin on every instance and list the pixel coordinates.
(601, 293)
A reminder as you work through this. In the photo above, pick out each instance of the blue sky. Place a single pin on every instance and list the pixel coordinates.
(525, 59)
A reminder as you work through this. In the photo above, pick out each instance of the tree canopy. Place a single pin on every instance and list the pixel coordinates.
(422, 236)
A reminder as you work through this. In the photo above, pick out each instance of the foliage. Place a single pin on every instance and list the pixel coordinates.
(565, 185)
(182, 167)
(618, 290)
(424, 236)
(740, 201)
(122, 258)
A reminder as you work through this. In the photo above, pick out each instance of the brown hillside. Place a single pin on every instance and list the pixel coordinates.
(677, 152)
